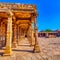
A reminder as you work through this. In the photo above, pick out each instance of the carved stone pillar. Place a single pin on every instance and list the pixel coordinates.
(32, 37)
(14, 44)
(1, 31)
(8, 49)
(3, 35)
(18, 34)
(29, 36)
(36, 46)
(47, 35)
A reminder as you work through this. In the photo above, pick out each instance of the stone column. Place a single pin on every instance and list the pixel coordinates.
(1, 31)
(5, 33)
(32, 37)
(36, 46)
(1, 35)
(8, 49)
(29, 35)
(14, 44)
(47, 35)
(18, 34)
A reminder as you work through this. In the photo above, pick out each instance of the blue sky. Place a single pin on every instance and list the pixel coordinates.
(48, 12)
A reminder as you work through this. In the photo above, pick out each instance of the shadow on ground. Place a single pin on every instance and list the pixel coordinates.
(31, 51)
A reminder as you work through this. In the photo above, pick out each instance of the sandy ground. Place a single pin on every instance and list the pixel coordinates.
(50, 50)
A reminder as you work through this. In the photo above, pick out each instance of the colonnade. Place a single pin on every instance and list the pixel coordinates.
(11, 31)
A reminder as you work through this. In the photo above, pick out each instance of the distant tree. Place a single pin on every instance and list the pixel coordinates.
(48, 30)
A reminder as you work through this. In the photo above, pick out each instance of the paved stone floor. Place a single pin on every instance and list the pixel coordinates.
(50, 50)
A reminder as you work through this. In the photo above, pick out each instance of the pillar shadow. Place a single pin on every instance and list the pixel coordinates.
(31, 51)
(23, 45)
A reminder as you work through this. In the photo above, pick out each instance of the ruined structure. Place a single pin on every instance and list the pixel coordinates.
(52, 34)
(16, 22)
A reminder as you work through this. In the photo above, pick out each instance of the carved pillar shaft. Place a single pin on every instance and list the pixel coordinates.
(1, 31)
(8, 49)
(32, 37)
(29, 35)
(21, 34)
(3, 35)
(36, 46)
(14, 37)
(18, 35)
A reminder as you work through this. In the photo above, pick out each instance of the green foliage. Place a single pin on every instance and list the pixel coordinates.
(48, 30)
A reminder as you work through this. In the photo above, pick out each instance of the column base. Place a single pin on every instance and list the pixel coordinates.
(8, 51)
(36, 49)
(19, 41)
(32, 42)
(31, 45)
(14, 45)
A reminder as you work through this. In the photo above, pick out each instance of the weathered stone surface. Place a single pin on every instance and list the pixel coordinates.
(24, 51)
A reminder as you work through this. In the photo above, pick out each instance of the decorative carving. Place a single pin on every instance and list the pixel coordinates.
(21, 14)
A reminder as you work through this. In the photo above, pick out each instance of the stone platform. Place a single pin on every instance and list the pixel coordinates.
(50, 50)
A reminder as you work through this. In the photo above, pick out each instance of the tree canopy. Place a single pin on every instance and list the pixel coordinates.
(48, 30)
